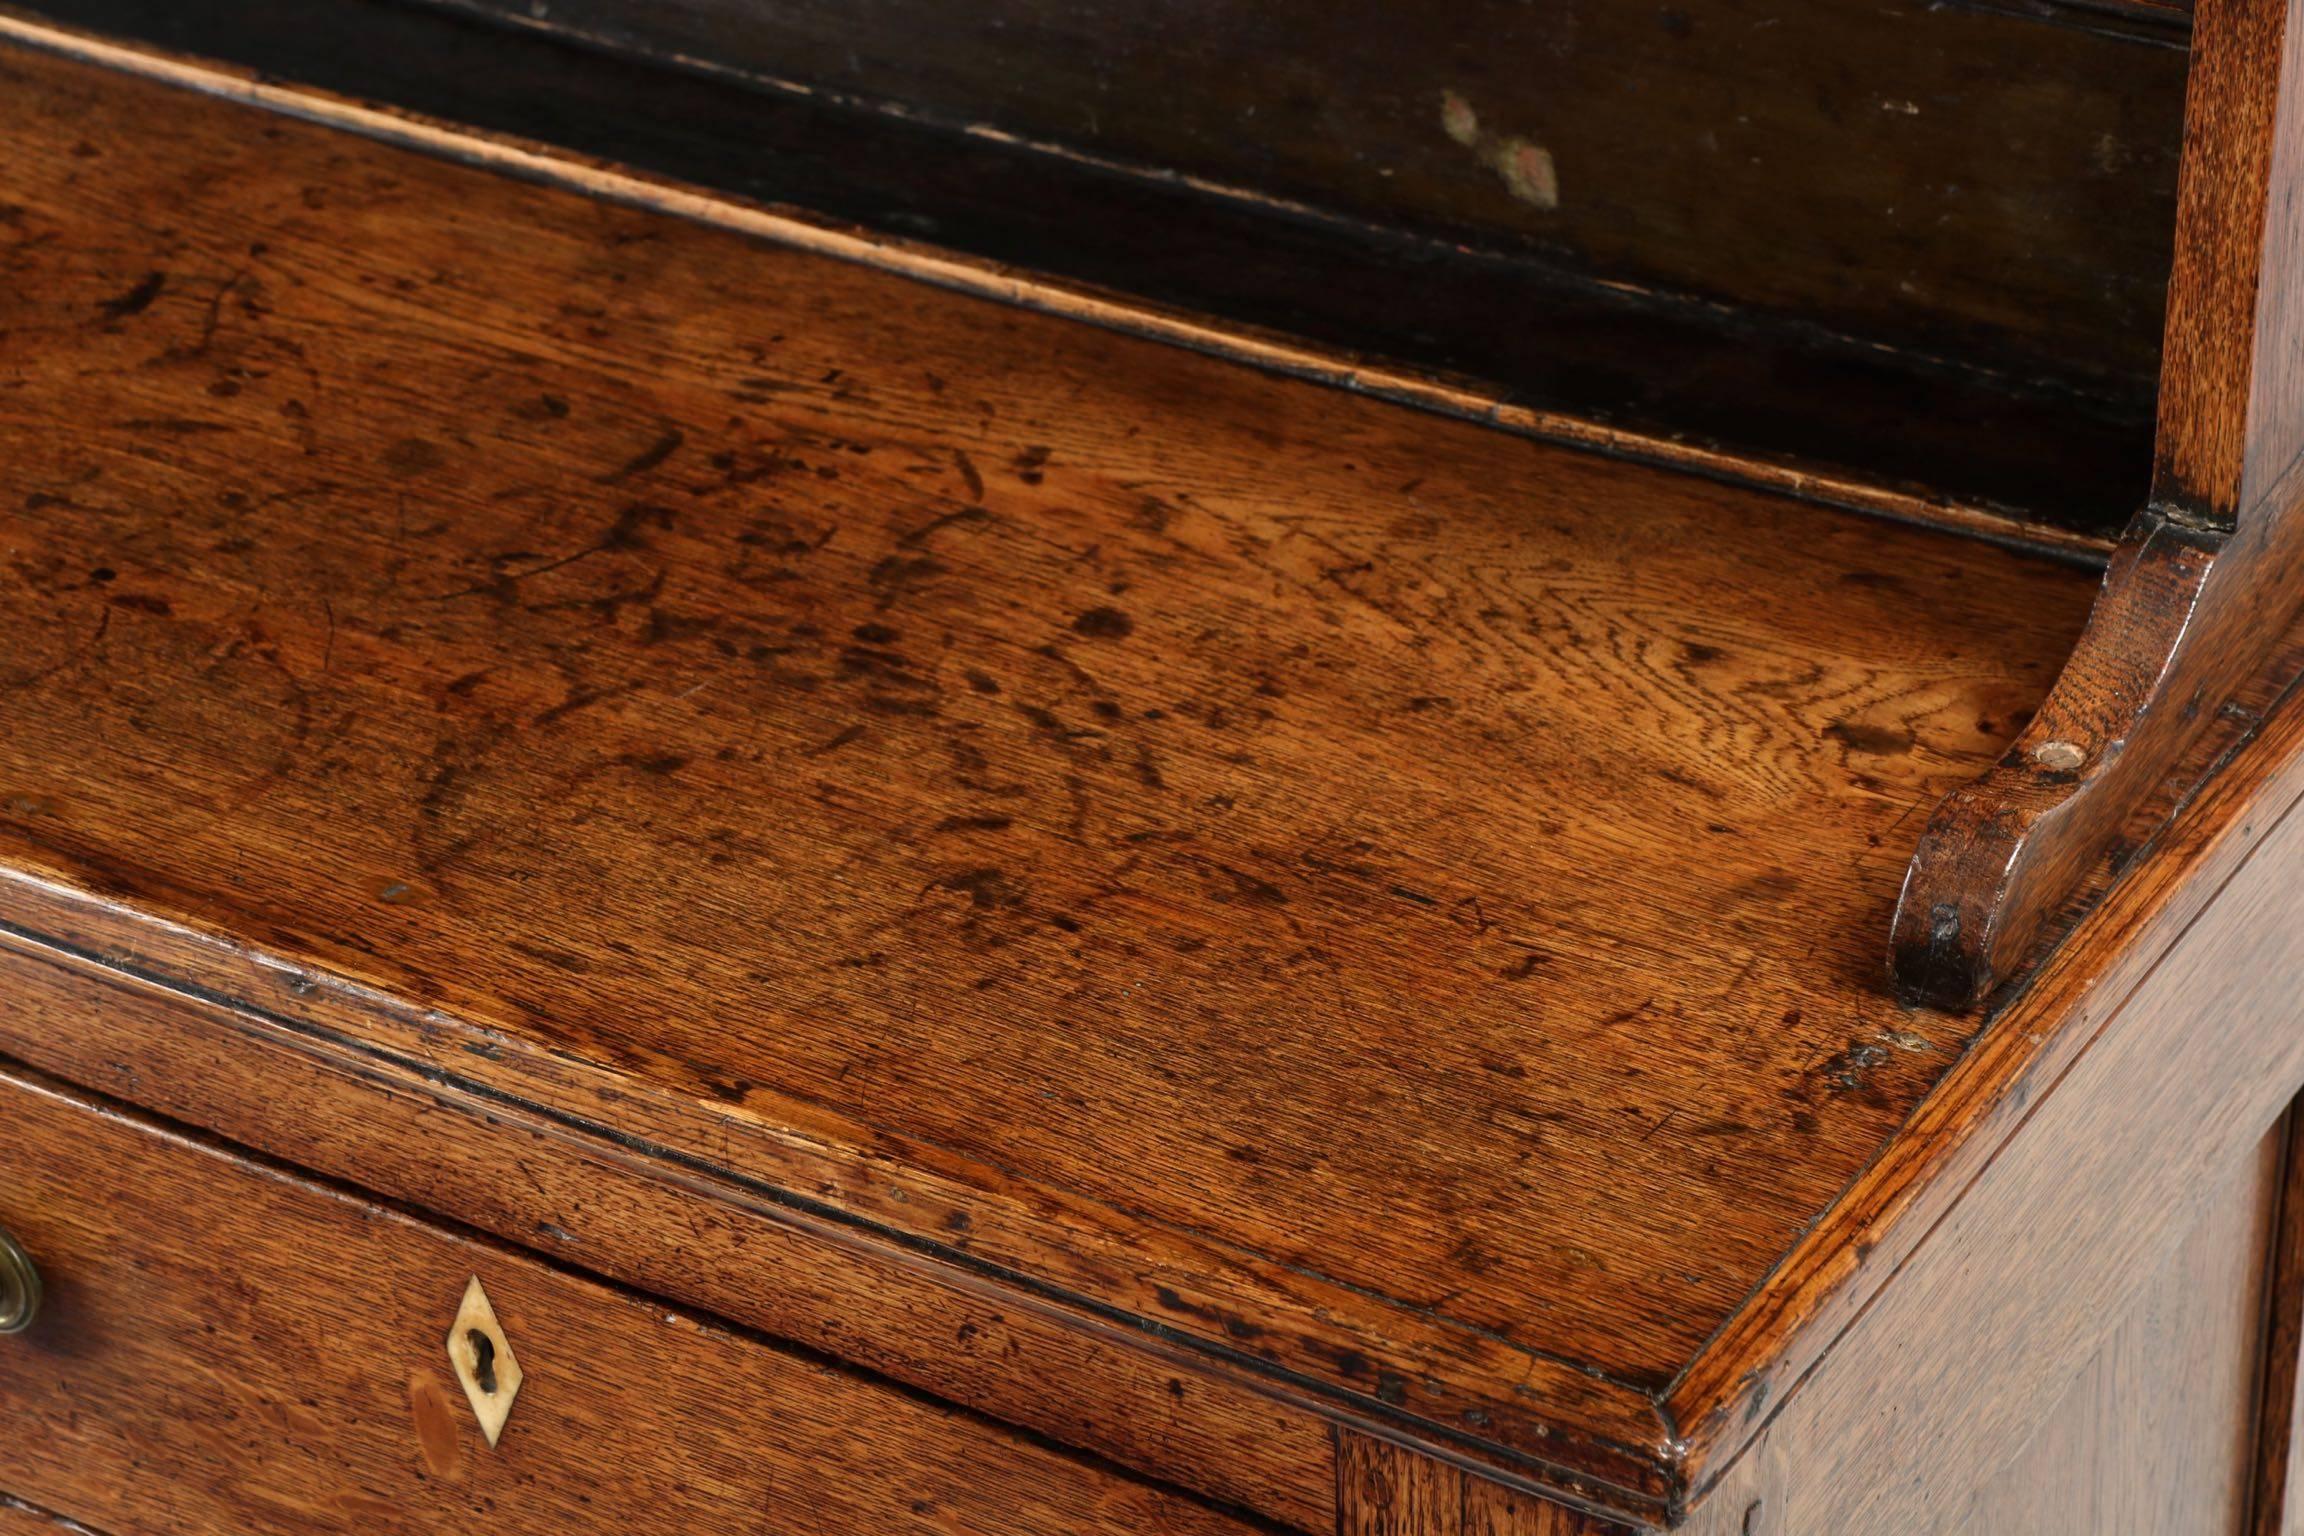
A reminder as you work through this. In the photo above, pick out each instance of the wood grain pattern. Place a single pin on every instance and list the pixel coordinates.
(2277, 1507)
(2049, 175)
(1961, 181)
(1681, 385)
(2136, 1074)
(558, 638)
(236, 1349)
(2155, 1433)
(1102, 816)
(2209, 575)
(1384, 1489)
(18, 1518)
(410, 1131)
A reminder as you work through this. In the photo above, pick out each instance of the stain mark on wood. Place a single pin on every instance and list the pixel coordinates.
(439, 1443)
(1526, 168)
(649, 458)
(136, 300)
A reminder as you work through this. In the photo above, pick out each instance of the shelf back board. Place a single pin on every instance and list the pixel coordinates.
(1921, 248)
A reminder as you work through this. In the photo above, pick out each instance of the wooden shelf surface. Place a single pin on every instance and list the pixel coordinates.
(1397, 904)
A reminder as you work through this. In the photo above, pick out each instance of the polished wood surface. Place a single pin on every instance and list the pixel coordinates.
(1689, 385)
(1146, 899)
(18, 1518)
(2021, 163)
(229, 1347)
(1385, 1490)
(2208, 577)
(1965, 1280)
(1101, 817)
(410, 1125)
(1954, 297)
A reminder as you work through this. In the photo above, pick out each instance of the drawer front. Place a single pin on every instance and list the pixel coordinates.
(225, 1347)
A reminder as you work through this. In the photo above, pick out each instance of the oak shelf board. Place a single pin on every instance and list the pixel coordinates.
(1422, 885)
(2029, 447)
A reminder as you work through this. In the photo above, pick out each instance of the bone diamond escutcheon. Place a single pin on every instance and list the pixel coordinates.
(483, 1359)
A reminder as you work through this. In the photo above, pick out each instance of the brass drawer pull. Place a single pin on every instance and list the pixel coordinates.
(19, 1286)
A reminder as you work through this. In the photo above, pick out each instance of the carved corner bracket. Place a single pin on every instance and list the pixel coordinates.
(2208, 576)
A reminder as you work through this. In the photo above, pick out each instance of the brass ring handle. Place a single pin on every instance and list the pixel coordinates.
(19, 1286)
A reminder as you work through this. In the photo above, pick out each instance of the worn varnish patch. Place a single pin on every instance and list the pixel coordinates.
(439, 1439)
(1403, 878)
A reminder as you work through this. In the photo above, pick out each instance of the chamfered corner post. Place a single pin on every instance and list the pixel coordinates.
(2207, 576)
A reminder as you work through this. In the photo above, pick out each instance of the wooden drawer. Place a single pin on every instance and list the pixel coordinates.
(226, 1347)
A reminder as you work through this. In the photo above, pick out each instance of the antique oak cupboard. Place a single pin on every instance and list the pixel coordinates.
(1138, 767)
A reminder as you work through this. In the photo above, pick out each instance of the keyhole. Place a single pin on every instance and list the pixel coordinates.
(483, 1359)
(486, 1365)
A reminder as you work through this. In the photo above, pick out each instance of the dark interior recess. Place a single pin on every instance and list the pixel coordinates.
(1940, 264)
